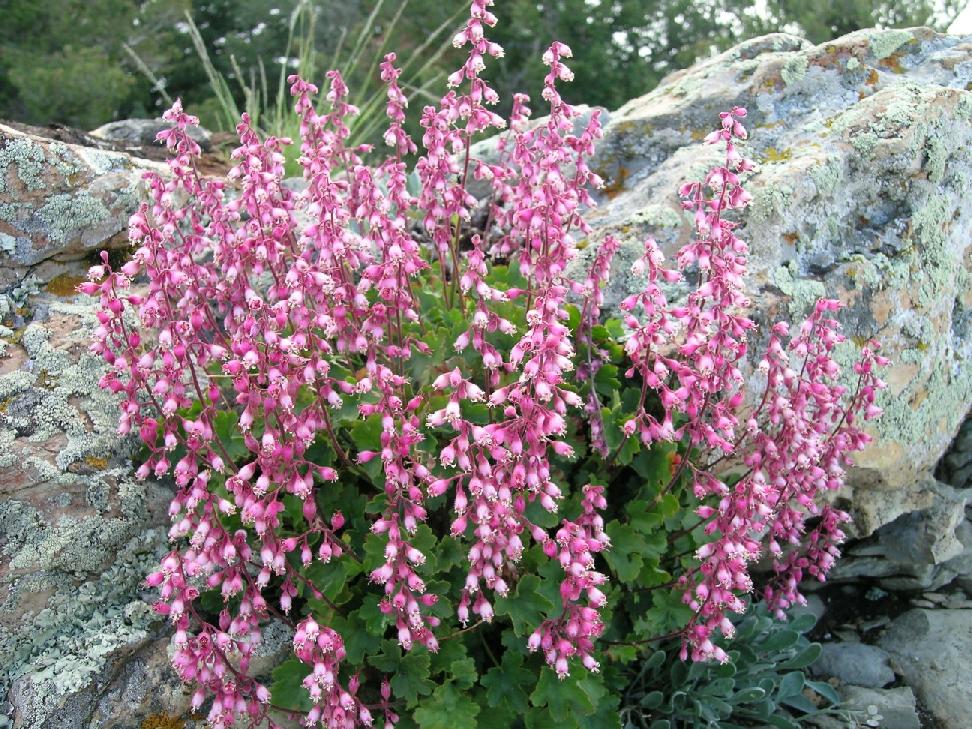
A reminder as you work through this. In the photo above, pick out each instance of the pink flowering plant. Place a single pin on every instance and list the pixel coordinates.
(398, 429)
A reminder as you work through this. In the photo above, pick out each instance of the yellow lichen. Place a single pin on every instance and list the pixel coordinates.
(163, 721)
(772, 154)
(99, 464)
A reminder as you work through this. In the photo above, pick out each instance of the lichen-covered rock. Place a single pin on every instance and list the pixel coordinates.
(77, 532)
(61, 202)
(865, 145)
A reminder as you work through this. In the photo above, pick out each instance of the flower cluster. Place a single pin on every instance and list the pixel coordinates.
(276, 350)
(574, 632)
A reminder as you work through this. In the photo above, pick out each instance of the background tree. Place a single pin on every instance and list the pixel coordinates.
(64, 60)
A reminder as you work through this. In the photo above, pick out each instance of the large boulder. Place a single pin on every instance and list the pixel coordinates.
(60, 203)
(865, 173)
(77, 536)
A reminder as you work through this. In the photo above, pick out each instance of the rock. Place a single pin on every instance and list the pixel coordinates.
(895, 706)
(927, 536)
(142, 132)
(920, 550)
(865, 147)
(956, 466)
(77, 534)
(61, 202)
(933, 650)
(856, 663)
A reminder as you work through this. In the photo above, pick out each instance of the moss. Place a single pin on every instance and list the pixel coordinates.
(794, 69)
(27, 158)
(67, 215)
(885, 42)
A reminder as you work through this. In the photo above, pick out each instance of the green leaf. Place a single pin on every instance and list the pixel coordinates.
(748, 696)
(780, 640)
(782, 722)
(286, 689)
(409, 671)
(447, 708)
(824, 689)
(227, 430)
(803, 622)
(800, 702)
(804, 658)
(527, 608)
(453, 660)
(624, 556)
(791, 684)
(366, 434)
(652, 700)
(564, 698)
(506, 684)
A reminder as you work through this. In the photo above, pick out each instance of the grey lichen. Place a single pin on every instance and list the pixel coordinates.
(770, 202)
(827, 176)
(937, 158)
(803, 293)
(27, 159)
(885, 42)
(67, 215)
(795, 69)
(853, 64)
(660, 216)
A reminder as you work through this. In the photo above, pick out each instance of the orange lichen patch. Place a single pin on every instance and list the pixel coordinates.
(616, 186)
(872, 77)
(99, 464)
(791, 238)
(163, 721)
(893, 62)
(64, 285)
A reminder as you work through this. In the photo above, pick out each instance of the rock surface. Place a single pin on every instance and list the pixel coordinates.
(855, 663)
(866, 169)
(895, 707)
(933, 651)
(142, 132)
(77, 536)
(61, 202)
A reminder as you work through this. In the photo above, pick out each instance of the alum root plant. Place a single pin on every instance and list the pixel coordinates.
(399, 429)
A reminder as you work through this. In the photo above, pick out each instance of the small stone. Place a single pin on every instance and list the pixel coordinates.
(923, 604)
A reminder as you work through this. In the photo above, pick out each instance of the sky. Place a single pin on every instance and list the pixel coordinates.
(963, 23)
